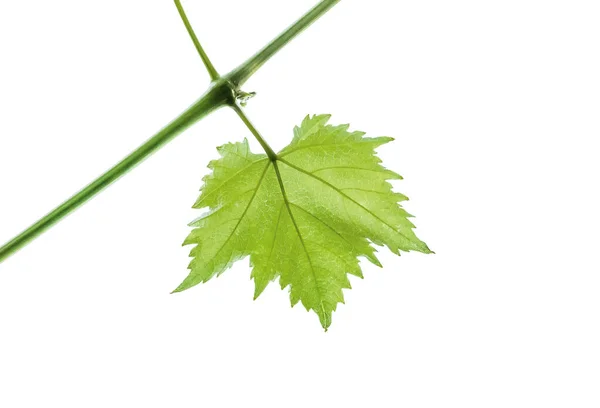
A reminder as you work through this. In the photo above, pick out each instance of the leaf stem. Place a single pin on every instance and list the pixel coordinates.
(214, 75)
(270, 153)
(242, 73)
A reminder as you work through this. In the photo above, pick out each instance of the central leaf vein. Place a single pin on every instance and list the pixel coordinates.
(289, 209)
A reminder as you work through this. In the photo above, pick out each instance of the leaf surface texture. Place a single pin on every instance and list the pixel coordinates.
(305, 218)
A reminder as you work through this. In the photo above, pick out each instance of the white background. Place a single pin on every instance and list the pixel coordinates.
(495, 109)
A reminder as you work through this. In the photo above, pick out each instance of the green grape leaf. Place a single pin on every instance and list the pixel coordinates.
(304, 218)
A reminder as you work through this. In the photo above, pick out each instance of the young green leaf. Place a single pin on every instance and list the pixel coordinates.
(304, 218)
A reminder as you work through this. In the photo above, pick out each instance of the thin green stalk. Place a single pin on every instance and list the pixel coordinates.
(214, 75)
(242, 73)
(222, 92)
(254, 131)
(213, 99)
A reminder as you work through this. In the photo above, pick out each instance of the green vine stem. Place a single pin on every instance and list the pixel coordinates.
(242, 73)
(210, 101)
(214, 75)
(222, 92)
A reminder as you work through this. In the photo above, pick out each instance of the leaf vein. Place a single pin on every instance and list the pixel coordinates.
(348, 168)
(229, 179)
(289, 209)
(243, 214)
(312, 146)
(301, 170)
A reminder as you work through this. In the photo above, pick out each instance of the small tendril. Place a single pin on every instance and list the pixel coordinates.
(244, 97)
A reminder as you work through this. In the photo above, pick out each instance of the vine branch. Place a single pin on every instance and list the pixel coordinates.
(242, 73)
(221, 92)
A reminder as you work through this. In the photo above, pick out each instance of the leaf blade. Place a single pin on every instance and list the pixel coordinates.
(305, 218)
